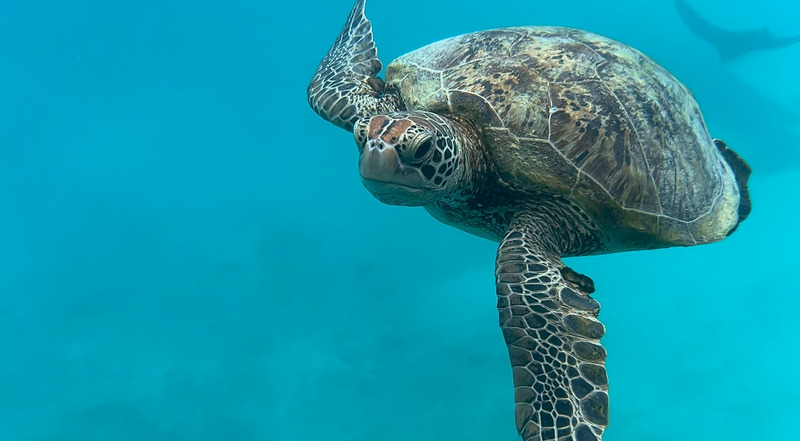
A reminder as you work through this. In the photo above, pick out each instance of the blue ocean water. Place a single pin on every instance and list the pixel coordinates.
(187, 252)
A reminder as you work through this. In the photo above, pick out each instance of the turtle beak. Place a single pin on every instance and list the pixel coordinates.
(391, 182)
(382, 171)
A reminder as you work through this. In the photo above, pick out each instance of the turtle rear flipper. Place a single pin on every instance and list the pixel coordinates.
(345, 86)
(742, 172)
(553, 339)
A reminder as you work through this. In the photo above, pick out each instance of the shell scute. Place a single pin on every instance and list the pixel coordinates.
(597, 137)
(562, 60)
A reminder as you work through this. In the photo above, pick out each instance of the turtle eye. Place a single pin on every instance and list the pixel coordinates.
(419, 148)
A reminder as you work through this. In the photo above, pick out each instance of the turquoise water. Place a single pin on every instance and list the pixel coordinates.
(187, 252)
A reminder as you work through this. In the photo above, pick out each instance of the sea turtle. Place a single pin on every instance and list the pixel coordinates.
(553, 142)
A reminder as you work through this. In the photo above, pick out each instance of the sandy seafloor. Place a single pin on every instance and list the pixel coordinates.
(187, 253)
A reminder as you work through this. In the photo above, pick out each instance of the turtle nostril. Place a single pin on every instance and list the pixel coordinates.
(377, 144)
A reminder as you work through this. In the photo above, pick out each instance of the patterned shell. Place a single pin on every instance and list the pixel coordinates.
(567, 112)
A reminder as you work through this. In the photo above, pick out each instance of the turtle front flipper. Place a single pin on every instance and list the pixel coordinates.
(553, 338)
(345, 87)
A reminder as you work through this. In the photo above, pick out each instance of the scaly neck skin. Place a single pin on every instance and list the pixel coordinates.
(473, 165)
(473, 201)
(562, 227)
(479, 204)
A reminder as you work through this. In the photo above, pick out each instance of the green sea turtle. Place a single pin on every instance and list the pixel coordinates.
(553, 142)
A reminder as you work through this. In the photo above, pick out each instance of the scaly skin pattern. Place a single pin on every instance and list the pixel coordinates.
(345, 88)
(550, 326)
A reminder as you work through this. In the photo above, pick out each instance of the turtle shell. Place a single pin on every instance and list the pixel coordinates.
(567, 112)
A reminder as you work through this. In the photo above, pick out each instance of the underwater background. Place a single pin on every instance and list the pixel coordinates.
(187, 252)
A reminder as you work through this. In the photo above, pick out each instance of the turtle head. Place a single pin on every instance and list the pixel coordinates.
(408, 158)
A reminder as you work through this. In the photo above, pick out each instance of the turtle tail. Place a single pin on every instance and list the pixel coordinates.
(345, 87)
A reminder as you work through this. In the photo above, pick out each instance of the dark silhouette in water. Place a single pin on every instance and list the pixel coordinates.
(731, 44)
